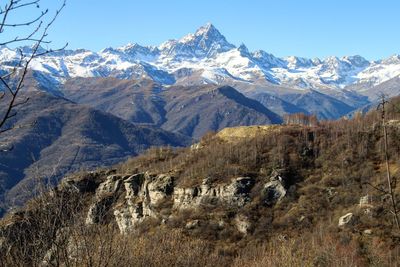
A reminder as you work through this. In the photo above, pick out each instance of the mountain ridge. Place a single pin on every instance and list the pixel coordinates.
(191, 111)
(219, 61)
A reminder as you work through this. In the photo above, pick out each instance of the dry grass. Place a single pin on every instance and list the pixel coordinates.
(235, 134)
(319, 248)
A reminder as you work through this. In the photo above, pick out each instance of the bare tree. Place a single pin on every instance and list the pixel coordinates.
(381, 106)
(301, 118)
(20, 31)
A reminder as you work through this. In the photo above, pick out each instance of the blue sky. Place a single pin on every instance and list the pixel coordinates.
(307, 28)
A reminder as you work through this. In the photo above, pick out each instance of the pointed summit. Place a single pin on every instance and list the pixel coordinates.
(206, 32)
(207, 41)
(207, 29)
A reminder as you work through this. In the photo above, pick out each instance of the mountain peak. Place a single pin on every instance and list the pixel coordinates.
(298, 62)
(394, 59)
(356, 60)
(207, 41)
(207, 29)
(206, 32)
(243, 50)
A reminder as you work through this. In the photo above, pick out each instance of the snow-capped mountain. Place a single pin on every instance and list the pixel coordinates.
(206, 57)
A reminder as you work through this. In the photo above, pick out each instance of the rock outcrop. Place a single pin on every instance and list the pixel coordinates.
(242, 224)
(130, 199)
(143, 193)
(365, 201)
(347, 219)
(105, 195)
(274, 190)
(236, 193)
(81, 183)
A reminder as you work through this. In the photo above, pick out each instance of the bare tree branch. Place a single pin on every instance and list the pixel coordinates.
(16, 6)
(17, 39)
(21, 103)
(13, 81)
(377, 188)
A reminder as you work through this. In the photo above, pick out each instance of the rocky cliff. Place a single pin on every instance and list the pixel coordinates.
(129, 199)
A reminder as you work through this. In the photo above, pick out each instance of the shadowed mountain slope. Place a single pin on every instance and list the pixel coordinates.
(190, 110)
(68, 137)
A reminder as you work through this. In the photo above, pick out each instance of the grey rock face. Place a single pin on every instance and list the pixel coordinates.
(236, 193)
(130, 199)
(159, 189)
(128, 216)
(105, 194)
(143, 192)
(109, 187)
(98, 210)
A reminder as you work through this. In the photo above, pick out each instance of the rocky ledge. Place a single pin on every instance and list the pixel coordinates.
(131, 198)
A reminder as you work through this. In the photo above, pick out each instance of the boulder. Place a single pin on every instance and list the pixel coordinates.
(276, 175)
(273, 192)
(242, 224)
(367, 232)
(365, 202)
(346, 220)
(192, 224)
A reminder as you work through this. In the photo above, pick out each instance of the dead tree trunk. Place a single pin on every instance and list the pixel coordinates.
(388, 176)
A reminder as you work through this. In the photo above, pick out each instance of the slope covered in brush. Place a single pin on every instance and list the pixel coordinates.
(243, 196)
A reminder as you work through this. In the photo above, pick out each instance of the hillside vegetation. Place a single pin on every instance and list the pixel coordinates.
(289, 195)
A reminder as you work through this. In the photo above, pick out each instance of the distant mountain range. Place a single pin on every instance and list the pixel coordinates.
(206, 57)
